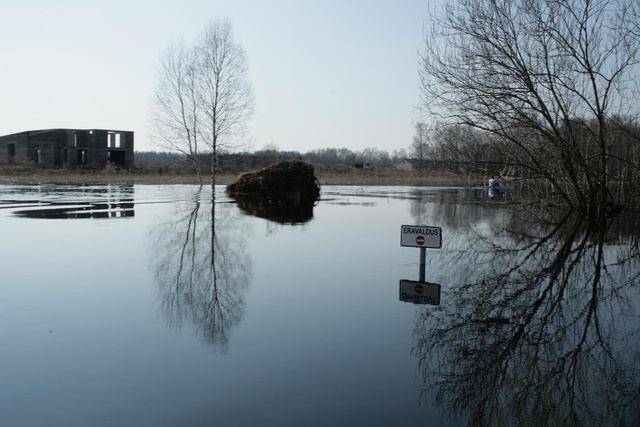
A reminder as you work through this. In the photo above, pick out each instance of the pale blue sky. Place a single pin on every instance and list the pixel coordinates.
(325, 73)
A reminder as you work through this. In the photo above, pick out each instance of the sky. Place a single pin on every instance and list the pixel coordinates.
(325, 73)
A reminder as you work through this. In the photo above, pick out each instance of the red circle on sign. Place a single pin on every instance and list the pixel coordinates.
(420, 240)
(419, 289)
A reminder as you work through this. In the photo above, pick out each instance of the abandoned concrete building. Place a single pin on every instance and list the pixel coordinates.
(69, 147)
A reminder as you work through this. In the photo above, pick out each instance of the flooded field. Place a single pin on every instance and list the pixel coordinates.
(145, 306)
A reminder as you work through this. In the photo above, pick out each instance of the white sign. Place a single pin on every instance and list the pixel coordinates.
(419, 292)
(421, 236)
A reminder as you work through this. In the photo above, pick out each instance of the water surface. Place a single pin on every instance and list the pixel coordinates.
(119, 305)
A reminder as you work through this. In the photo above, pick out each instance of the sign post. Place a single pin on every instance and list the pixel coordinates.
(423, 237)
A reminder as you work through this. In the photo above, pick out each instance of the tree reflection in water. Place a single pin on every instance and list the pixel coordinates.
(541, 326)
(201, 268)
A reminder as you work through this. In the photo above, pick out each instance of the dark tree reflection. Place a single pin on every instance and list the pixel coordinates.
(540, 327)
(201, 268)
(282, 213)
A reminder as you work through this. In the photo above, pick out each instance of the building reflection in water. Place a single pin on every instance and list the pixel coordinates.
(75, 202)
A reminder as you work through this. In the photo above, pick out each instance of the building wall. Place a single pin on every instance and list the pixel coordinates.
(42, 152)
(19, 150)
(70, 147)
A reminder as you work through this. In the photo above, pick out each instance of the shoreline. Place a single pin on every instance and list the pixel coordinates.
(382, 178)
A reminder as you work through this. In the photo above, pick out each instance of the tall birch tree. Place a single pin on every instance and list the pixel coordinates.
(176, 111)
(203, 99)
(224, 90)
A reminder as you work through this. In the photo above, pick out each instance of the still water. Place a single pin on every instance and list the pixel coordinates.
(121, 306)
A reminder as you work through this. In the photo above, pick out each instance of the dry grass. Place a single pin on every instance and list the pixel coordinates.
(394, 177)
(334, 175)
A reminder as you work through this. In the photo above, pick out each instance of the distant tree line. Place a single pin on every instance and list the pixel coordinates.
(343, 156)
(242, 161)
(143, 158)
(472, 151)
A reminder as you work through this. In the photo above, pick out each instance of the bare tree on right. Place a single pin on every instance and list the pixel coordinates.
(552, 83)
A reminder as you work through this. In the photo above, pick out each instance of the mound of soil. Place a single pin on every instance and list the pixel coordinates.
(290, 182)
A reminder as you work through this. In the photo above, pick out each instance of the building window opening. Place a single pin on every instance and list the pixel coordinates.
(11, 152)
(82, 157)
(114, 140)
(118, 158)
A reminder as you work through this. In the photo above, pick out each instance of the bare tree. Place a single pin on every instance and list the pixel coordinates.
(203, 97)
(224, 89)
(176, 111)
(270, 153)
(542, 78)
(420, 144)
